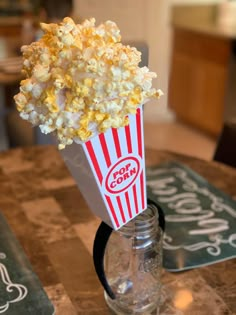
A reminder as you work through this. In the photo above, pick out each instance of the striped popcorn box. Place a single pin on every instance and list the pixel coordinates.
(109, 170)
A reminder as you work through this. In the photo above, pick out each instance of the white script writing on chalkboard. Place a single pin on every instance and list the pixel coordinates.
(186, 202)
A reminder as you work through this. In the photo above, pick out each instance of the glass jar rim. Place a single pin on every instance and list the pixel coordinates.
(144, 223)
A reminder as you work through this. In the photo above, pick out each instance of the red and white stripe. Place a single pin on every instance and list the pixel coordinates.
(104, 151)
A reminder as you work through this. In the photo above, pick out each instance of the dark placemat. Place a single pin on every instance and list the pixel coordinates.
(200, 219)
(21, 292)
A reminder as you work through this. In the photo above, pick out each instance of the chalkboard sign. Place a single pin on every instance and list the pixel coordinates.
(200, 219)
(21, 292)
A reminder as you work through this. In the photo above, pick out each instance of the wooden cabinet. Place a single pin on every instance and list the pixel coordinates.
(198, 79)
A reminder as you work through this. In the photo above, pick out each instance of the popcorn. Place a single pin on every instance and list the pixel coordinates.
(81, 80)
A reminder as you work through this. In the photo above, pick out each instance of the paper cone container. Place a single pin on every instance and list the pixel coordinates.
(110, 172)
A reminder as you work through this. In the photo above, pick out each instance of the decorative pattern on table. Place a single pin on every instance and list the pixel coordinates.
(21, 292)
(200, 219)
(10, 287)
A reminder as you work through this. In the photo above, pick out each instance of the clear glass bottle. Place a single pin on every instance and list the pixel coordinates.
(133, 264)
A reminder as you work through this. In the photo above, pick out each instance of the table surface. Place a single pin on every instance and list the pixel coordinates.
(50, 218)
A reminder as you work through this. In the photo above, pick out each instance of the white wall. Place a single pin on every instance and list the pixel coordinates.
(129, 15)
(158, 37)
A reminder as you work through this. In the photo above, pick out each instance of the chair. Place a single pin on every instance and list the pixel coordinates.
(4, 143)
(226, 146)
(141, 46)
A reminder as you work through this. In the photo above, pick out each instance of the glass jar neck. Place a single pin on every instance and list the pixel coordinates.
(143, 225)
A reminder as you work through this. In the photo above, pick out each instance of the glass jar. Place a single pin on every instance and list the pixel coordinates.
(133, 264)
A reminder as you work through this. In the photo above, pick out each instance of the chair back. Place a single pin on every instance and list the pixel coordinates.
(226, 146)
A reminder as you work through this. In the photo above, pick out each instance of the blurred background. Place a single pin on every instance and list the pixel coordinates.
(190, 45)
